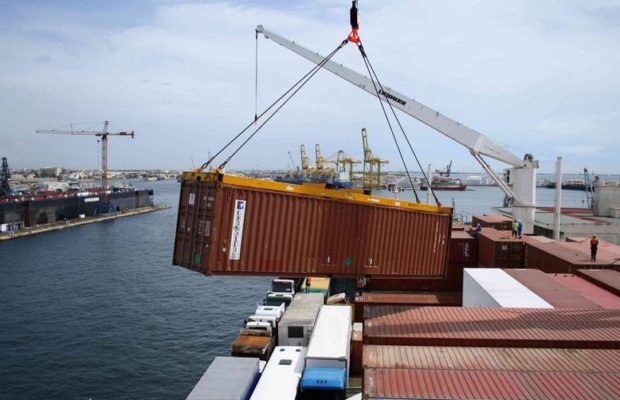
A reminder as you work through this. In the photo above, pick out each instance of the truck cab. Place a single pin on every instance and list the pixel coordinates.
(282, 291)
(259, 321)
(271, 311)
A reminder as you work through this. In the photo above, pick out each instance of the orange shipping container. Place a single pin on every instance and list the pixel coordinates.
(231, 225)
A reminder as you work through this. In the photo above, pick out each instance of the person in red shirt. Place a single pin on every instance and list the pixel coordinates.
(593, 248)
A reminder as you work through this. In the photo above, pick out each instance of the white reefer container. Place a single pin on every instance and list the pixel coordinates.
(327, 359)
(297, 324)
(493, 287)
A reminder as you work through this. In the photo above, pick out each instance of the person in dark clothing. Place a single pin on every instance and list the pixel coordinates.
(519, 228)
(593, 248)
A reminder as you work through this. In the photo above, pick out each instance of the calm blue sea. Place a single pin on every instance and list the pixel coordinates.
(99, 312)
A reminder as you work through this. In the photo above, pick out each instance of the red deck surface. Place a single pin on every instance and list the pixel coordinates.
(550, 290)
(490, 385)
(589, 290)
(492, 327)
(605, 278)
(404, 298)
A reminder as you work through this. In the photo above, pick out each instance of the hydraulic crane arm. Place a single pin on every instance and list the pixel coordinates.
(476, 142)
(520, 189)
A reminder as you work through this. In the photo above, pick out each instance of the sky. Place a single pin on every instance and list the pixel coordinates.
(539, 77)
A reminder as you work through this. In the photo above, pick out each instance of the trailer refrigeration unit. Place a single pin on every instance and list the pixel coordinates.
(326, 366)
(298, 321)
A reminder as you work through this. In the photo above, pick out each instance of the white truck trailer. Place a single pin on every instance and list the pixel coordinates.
(326, 366)
(493, 287)
(281, 375)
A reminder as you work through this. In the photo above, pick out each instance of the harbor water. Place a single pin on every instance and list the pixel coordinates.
(99, 312)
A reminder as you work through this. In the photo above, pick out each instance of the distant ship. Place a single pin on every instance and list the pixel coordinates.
(451, 184)
(571, 184)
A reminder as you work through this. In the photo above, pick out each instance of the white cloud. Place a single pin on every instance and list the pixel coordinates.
(527, 74)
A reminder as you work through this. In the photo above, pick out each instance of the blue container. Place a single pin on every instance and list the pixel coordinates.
(324, 379)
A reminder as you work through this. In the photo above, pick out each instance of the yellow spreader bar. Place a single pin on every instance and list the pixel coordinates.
(311, 189)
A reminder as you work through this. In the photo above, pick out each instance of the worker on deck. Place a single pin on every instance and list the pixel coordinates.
(593, 248)
(515, 227)
(519, 228)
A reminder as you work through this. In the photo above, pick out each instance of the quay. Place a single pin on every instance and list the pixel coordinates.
(71, 223)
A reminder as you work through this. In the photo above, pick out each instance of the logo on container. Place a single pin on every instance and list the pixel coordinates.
(236, 235)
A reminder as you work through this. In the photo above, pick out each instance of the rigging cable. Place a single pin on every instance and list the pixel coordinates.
(307, 78)
(256, 81)
(400, 153)
(371, 72)
(312, 70)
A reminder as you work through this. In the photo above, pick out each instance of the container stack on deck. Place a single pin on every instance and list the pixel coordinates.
(508, 332)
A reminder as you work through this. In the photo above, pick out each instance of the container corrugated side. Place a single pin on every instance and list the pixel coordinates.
(492, 327)
(497, 249)
(488, 385)
(492, 358)
(451, 282)
(553, 292)
(606, 278)
(231, 229)
(404, 298)
(463, 248)
(497, 221)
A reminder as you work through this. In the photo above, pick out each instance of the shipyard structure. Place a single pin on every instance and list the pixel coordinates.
(18, 212)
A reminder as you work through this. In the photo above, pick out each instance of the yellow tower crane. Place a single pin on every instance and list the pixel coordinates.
(371, 175)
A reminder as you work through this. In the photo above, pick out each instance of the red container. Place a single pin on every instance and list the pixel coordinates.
(491, 358)
(553, 292)
(356, 353)
(567, 257)
(463, 248)
(492, 327)
(233, 225)
(606, 278)
(589, 290)
(452, 282)
(498, 249)
(497, 221)
(474, 384)
(404, 298)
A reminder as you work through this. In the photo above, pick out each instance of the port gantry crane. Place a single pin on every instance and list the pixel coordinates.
(371, 174)
(520, 185)
(103, 135)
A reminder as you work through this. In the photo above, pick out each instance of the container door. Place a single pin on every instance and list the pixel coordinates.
(194, 225)
(338, 239)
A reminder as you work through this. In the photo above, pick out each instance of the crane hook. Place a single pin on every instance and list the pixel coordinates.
(353, 36)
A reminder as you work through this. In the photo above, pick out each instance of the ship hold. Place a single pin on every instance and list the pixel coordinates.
(231, 225)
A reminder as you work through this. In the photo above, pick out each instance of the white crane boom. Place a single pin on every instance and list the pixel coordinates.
(521, 187)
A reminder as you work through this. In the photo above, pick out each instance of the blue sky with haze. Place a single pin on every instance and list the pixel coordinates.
(538, 77)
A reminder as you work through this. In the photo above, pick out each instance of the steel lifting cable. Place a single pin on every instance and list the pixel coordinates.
(256, 80)
(307, 78)
(312, 70)
(371, 72)
(400, 153)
